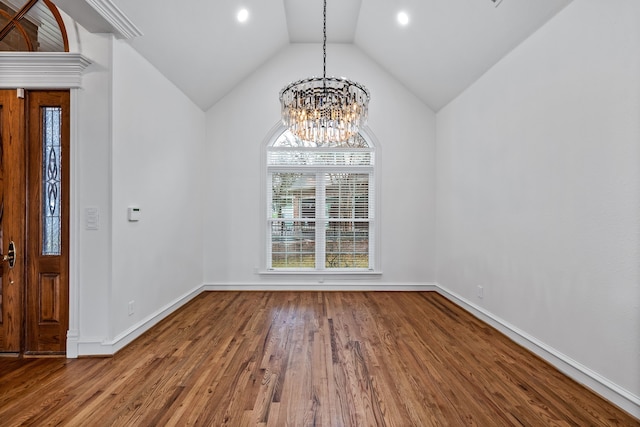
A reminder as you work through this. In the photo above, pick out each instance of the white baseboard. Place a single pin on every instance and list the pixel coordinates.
(326, 285)
(571, 368)
(93, 347)
(96, 347)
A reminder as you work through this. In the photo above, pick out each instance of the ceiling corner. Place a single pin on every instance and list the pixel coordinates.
(100, 16)
(116, 18)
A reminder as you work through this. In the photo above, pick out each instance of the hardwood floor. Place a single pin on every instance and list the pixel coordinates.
(305, 359)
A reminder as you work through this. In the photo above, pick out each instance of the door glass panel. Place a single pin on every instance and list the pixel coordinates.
(51, 180)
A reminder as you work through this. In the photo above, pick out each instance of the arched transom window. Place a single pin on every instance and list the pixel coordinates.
(320, 205)
(31, 26)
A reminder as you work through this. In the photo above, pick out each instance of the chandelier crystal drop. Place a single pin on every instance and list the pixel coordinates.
(324, 110)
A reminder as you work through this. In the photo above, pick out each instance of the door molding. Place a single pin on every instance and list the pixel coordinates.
(42, 70)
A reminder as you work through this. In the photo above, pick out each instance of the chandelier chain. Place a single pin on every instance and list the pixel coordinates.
(324, 41)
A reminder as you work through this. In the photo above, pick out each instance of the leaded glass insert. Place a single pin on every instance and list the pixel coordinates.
(51, 180)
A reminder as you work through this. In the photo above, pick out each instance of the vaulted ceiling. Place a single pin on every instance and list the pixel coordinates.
(447, 45)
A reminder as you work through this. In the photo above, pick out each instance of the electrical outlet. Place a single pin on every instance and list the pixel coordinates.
(480, 292)
(132, 307)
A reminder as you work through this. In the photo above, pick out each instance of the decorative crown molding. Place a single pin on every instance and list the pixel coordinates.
(116, 18)
(37, 70)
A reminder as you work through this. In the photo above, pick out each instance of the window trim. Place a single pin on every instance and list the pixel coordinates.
(375, 234)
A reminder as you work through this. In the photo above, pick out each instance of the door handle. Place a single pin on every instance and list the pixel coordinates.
(11, 255)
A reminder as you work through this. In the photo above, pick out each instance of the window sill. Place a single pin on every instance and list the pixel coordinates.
(332, 273)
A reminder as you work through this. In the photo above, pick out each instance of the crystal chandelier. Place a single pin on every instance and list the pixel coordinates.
(324, 110)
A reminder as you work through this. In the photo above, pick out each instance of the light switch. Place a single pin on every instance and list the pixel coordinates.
(91, 218)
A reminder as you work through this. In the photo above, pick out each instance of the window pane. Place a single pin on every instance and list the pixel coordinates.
(347, 244)
(287, 139)
(51, 180)
(347, 195)
(291, 195)
(293, 244)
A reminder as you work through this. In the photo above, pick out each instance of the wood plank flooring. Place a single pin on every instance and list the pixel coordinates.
(305, 359)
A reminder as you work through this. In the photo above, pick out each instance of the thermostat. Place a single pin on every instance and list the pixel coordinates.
(134, 214)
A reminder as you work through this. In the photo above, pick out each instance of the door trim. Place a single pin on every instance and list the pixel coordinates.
(42, 70)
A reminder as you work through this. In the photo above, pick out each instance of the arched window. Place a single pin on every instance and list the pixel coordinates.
(320, 205)
(31, 26)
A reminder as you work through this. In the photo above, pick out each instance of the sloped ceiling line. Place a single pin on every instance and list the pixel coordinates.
(445, 48)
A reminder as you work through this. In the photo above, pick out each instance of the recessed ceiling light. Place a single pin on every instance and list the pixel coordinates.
(243, 15)
(403, 18)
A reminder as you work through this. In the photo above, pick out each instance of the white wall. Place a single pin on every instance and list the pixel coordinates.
(236, 130)
(138, 141)
(538, 190)
(91, 187)
(158, 136)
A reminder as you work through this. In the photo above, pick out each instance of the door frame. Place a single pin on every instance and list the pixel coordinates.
(63, 70)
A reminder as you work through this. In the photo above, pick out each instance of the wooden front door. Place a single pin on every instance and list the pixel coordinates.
(12, 219)
(34, 218)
